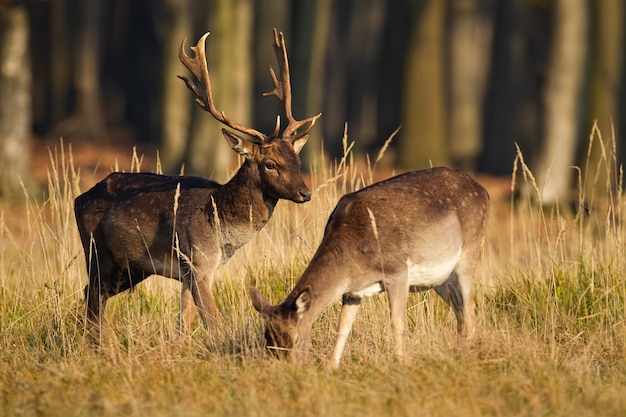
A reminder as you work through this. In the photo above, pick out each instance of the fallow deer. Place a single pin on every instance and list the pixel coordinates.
(133, 225)
(416, 231)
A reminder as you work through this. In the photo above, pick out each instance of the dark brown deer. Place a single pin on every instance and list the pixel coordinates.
(419, 230)
(133, 225)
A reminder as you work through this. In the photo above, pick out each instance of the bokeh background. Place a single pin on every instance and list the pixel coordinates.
(466, 80)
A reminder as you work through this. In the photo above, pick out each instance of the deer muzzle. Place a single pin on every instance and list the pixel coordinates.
(305, 195)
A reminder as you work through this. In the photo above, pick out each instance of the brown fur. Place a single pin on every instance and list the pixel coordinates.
(129, 229)
(435, 218)
(136, 225)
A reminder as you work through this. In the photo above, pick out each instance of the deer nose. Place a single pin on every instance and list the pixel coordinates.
(305, 194)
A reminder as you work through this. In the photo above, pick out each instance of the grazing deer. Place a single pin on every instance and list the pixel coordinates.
(419, 230)
(133, 225)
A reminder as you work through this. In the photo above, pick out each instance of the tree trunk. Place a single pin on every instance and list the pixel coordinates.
(90, 117)
(307, 63)
(423, 134)
(60, 61)
(606, 70)
(469, 37)
(511, 109)
(562, 101)
(177, 100)
(268, 15)
(15, 102)
(230, 64)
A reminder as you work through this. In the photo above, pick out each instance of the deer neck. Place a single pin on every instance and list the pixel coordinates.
(327, 278)
(242, 208)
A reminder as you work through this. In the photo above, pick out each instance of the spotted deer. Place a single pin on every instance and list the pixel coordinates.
(133, 225)
(416, 231)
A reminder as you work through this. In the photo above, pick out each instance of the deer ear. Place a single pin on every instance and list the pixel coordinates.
(239, 144)
(298, 144)
(258, 301)
(303, 301)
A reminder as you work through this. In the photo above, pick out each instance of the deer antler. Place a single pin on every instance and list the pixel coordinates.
(282, 91)
(200, 85)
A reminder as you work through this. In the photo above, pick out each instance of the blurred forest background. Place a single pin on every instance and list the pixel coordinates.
(465, 79)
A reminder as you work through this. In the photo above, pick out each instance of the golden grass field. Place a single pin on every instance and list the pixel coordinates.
(551, 330)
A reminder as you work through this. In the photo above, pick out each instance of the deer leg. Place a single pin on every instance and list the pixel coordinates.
(458, 292)
(95, 301)
(398, 295)
(205, 303)
(464, 286)
(96, 295)
(350, 306)
(187, 309)
(102, 286)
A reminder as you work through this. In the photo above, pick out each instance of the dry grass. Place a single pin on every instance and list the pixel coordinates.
(551, 332)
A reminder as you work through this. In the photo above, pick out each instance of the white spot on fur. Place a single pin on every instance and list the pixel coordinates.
(368, 291)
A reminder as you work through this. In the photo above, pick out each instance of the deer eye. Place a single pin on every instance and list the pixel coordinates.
(270, 165)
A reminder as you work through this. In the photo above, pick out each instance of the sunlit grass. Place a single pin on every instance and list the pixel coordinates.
(551, 302)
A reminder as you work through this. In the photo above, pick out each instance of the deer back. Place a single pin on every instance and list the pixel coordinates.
(422, 217)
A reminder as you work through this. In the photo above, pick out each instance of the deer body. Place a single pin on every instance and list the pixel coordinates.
(415, 231)
(133, 225)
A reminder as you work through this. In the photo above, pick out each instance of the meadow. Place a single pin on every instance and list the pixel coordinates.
(550, 340)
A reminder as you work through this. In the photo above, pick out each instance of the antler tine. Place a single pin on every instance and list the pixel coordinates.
(200, 85)
(277, 128)
(282, 91)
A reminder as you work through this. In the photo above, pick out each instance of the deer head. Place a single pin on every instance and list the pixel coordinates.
(286, 336)
(275, 155)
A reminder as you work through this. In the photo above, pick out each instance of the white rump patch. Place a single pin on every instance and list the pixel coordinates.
(430, 274)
